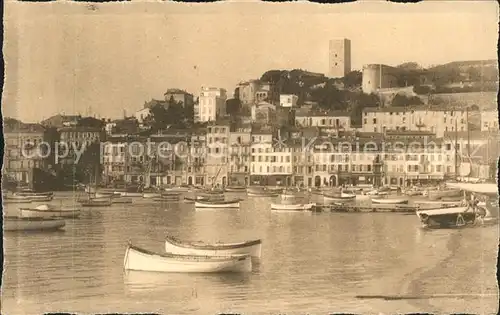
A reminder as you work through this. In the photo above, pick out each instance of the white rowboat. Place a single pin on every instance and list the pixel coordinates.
(32, 224)
(341, 197)
(390, 201)
(217, 204)
(174, 246)
(48, 211)
(295, 207)
(143, 260)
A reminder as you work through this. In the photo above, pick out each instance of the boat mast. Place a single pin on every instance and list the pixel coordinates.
(468, 141)
(456, 151)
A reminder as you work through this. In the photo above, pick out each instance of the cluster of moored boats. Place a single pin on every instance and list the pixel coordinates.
(194, 257)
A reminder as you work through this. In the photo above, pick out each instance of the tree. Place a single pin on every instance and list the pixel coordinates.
(421, 89)
(353, 79)
(410, 66)
(474, 74)
(401, 100)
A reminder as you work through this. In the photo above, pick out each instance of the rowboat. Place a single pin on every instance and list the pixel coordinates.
(192, 200)
(32, 224)
(95, 202)
(235, 189)
(217, 204)
(103, 195)
(130, 194)
(292, 207)
(177, 188)
(151, 195)
(140, 259)
(30, 193)
(211, 197)
(340, 197)
(390, 201)
(121, 200)
(438, 203)
(48, 211)
(18, 199)
(447, 217)
(175, 246)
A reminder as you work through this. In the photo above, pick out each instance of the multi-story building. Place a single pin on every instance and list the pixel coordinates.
(76, 141)
(378, 76)
(25, 152)
(216, 166)
(335, 120)
(240, 140)
(339, 57)
(212, 104)
(262, 141)
(114, 160)
(436, 121)
(181, 96)
(197, 158)
(489, 121)
(288, 100)
(59, 121)
(255, 91)
(263, 112)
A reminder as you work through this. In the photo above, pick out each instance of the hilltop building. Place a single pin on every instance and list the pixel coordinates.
(339, 57)
(212, 103)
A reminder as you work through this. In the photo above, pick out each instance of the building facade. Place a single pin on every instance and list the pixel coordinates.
(489, 121)
(339, 57)
(288, 100)
(181, 96)
(336, 120)
(211, 104)
(216, 165)
(240, 140)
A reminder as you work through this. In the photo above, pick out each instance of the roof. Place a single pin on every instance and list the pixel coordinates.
(79, 129)
(397, 109)
(331, 113)
(23, 128)
(473, 135)
(176, 91)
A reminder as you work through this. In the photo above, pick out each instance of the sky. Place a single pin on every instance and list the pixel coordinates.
(64, 57)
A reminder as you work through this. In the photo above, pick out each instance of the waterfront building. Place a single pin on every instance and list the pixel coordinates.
(114, 160)
(288, 100)
(240, 140)
(216, 163)
(339, 57)
(212, 103)
(24, 152)
(197, 157)
(303, 161)
(77, 139)
(435, 120)
(142, 114)
(489, 121)
(169, 161)
(328, 120)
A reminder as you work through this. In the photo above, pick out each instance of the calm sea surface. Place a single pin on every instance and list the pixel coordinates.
(311, 262)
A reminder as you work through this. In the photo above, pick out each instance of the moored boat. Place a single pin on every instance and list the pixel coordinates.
(140, 259)
(95, 202)
(150, 195)
(175, 246)
(16, 199)
(30, 193)
(12, 224)
(292, 207)
(235, 189)
(390, 201)
(121, 200)
(130, 194)
(49, 211)
(217, 204)
(447, 217)
(338, 197)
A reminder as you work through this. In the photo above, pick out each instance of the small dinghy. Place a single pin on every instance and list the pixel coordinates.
(292, 207)
(143, 260)
(150, 195)
(193, 200)
(175, 246)
(29, 193)
(328, 198)
(95, 202)
(12, 224)
(262, 192)
(49, 211)
(130, 194)
(121, 200)
(217, 204)
(390, 201)
(447, 217)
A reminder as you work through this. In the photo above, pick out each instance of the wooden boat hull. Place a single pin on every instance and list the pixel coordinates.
(395, 201)
(262, 194)
(217, 205)
(447, 218)
(142, 260)
(252, 248)
(151, 195)
(95, 203)
(342, 197)
(7, 201)
(30, 224)
(296, 207)
(30, 194)
(235, 189)
(36, 213)
(121, 200)
(130, 194)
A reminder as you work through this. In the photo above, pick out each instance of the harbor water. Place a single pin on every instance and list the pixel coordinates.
(317, 263)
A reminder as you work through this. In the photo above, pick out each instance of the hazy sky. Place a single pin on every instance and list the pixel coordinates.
(64, 57)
